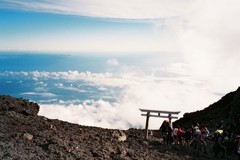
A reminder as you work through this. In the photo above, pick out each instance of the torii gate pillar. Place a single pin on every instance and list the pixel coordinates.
(148, 115)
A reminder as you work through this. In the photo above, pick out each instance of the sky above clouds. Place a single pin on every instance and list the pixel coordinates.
(188, 26)
(204, 33)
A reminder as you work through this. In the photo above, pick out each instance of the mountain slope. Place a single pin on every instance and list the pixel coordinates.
(226, 109)
(25, 135)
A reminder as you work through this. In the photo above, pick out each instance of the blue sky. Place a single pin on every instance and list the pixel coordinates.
(31, 22)
(35, 31)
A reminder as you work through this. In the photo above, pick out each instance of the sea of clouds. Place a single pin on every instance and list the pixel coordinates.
(121, 108)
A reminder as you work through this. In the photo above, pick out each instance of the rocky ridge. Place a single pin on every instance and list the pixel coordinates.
(227, 109)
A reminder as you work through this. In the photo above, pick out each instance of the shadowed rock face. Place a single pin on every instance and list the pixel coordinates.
(25, 135)
(19, 105)
(227, 109)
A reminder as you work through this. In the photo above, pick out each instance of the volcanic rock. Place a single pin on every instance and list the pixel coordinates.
(28, 136)
(119, 135)
(18, 105)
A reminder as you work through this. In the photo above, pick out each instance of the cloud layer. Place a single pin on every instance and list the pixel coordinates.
(178, 93)
(148, 92)
(125, 9)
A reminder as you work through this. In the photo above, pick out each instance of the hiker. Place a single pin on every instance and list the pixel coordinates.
(204, 133)
(194, 126)
(196, 138)
(188, 137)
(221, 140)
(180, 135)
(175, 130)
(169, 134)
(164, 130)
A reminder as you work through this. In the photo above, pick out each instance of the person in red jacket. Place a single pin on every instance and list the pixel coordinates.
(180, 135)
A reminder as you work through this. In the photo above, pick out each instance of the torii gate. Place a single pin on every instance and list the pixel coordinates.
(157, 113)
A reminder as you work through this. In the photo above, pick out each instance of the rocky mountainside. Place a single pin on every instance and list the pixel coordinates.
(227, 109)
(25, 135)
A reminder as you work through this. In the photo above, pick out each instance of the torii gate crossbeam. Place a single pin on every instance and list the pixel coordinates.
(157, 113)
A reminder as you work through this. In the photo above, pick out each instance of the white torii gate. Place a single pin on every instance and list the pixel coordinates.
(157, 113)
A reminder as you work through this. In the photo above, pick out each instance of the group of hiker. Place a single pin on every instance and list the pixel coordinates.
(223, 141)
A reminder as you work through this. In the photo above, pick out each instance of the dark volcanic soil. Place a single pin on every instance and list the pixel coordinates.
(25, 135)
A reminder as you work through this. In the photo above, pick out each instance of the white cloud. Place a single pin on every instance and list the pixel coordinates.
(209, 43)
(176, 95)
(124, 9)
(92, 113)
(160, 93)
(179, 92)
(43, 94)
(177, 68)
(73, 89)
(102, 88)
(58, 85)
(48, 101)
(41, 84)
(113, 62)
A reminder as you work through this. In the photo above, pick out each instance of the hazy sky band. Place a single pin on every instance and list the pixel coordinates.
(53, 32)
(124, 9)
(124, 26)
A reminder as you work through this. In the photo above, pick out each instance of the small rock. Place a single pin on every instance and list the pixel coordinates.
(53, 127)
(123, 153)
(28, 136)
(2, 135)
(122, 138)
(130, 152)
(145, 143)
(119, 135)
